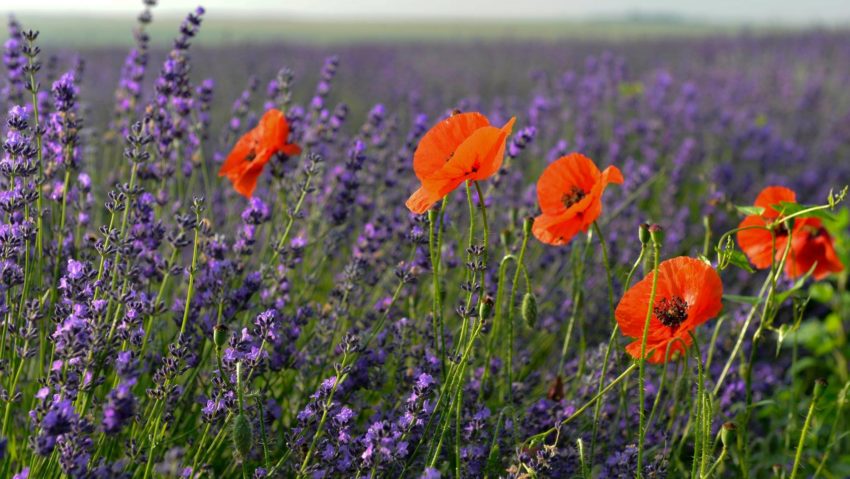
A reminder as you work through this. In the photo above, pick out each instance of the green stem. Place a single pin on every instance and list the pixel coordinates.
(190, 289)
(656, 248)
(819, 385)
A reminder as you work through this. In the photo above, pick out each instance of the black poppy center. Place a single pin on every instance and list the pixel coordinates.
(672, 312)
(573, 196)
(780, 230)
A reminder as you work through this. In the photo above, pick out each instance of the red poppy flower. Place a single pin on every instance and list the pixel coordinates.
(757, 242)
(688, 294)
(811, 244)
(462, 147)
(570, 195)
(251, 153)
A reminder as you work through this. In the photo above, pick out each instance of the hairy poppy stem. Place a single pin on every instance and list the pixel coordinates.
(578, 279)
(842, 401)
(656, 253)
(820, 384)
(435, 247)
(608, 275)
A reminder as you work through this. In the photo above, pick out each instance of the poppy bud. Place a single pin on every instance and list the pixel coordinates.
(529, 309)
(527, 225)
(656, 232)
(643, 233)
(219, 335)
(820, 385)
(242, 435)
(485, 307)
(727, 429)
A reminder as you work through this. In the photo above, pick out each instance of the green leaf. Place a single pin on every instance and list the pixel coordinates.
(750, 210)
(742, 299)
(801, 281)
(737, 258)
(821, 292)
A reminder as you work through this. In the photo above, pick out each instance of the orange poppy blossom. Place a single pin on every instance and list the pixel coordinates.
(811, 244)
(464, 146)
(570, 195)
(251, 153)
(688, 293)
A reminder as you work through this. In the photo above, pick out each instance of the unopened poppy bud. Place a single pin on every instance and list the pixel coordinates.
(643, 233)
(725, 432)
(242, 435)
(820, 385)
(529, 309)
(656, 232)
(485, 307)
(527, 225)
(219, 336)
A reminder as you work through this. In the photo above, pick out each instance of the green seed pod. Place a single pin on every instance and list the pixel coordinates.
(643, 233)
(656, 232)
(529, 309)
(726, 431)
(485, 307)
(242, 435)
(527, 225)
(219, 336)
(820, 385)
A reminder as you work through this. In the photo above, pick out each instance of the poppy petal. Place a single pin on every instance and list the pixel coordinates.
(247, 182)
(273, 129)
(439, 144)
(773, 196)
(689, 279)
(612, 174)
(477, 154)
(561, 177)
(422, 200)
(554, 230)
(757, 242)
(236, 159)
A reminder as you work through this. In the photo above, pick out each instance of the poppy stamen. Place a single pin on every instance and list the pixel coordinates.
(672, 312)
(573, 196)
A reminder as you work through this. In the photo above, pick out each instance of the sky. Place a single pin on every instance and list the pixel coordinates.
(739, 11)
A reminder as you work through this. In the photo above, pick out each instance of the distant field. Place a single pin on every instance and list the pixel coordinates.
(99, 31)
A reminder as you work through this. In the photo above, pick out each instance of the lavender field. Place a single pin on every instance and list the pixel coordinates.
(521, 259)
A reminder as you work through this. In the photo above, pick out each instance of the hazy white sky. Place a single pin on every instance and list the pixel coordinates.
(759, 11)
